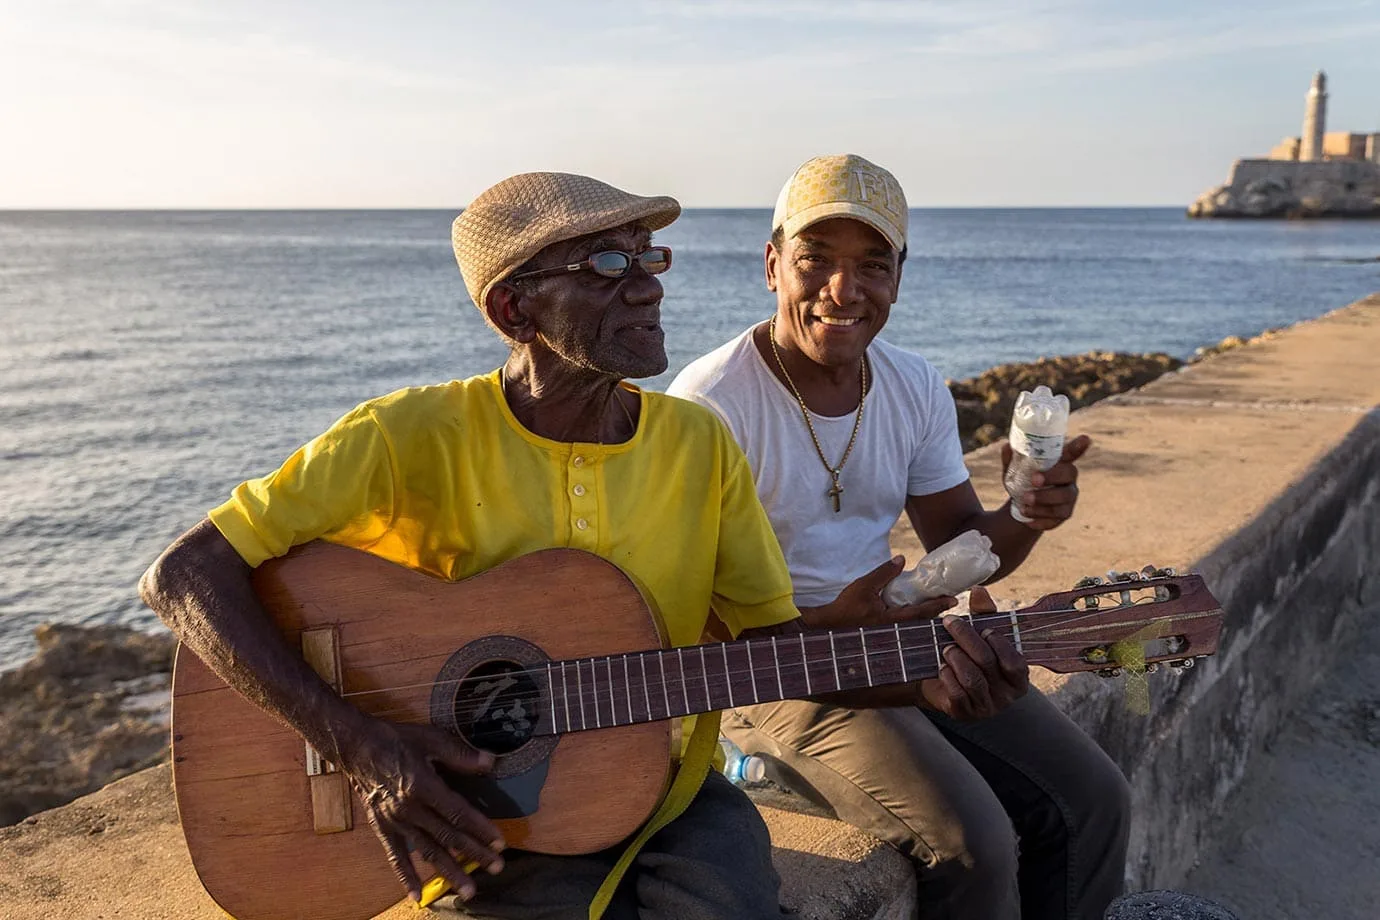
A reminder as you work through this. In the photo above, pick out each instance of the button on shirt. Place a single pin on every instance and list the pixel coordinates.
(445, 480)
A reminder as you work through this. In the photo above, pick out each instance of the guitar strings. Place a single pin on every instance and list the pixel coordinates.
(598, 696)
(605, 705)
(934, 632)
(978, 622)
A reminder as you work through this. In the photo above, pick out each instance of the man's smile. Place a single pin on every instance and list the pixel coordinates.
(837, 320)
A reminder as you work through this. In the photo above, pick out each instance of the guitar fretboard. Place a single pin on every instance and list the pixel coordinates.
(590, 693)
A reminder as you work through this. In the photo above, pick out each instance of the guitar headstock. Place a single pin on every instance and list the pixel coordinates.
(1152, 616)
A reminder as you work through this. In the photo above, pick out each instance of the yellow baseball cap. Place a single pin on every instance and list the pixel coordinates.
(842, 185)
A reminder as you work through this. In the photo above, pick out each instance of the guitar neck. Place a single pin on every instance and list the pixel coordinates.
(603, 692)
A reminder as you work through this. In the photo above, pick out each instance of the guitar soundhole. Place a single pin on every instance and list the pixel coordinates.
(495, 706)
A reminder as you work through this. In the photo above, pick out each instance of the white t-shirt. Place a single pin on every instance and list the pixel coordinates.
(907, 445)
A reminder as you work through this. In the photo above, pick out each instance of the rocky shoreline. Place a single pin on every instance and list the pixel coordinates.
(91, 706)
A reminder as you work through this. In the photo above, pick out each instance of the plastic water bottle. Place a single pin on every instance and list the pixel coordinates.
(1038, 427)
(739, 767)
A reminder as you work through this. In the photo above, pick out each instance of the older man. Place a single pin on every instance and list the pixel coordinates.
(551, 450)
(1005, 814)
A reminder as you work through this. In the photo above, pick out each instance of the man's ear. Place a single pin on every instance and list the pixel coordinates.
(505, 306)
(770, 260)
(896, 288)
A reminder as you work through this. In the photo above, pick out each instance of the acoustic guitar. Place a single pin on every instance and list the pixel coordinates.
(556, 664)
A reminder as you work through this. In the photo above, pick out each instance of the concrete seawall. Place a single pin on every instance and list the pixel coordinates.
(1259, 467)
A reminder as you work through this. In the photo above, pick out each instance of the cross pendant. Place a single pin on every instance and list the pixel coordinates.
(834, 493)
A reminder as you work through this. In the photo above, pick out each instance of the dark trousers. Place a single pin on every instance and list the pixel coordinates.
(711, 863)
(1020, 815)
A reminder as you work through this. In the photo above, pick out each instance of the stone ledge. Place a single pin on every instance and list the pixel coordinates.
(118, 854)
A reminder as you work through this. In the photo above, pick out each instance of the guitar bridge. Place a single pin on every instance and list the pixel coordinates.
(332, 809)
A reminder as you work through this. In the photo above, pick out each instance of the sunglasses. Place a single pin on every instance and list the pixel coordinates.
(610, 264)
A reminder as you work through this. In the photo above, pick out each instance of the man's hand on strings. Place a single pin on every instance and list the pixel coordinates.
(393, 767)
(981, 674)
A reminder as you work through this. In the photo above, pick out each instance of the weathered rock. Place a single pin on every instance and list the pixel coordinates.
(88, 708)
(985, 402)
(1166, 905)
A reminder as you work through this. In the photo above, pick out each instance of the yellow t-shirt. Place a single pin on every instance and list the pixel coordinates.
(445, 480)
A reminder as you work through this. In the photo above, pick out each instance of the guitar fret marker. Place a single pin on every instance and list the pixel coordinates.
(613, 713)
(867, 664)
(551, 693)
(901, 651)
(565, 695)
(704, 670)
(580, 689)
(594, 690)
(665, 691)
(728, 678)
(646, 689)
(684, 684)
(805, 663)
(777, 658)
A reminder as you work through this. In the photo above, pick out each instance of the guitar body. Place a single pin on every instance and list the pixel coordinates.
(402, 640)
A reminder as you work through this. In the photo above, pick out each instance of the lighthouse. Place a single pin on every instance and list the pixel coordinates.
(1314, 119)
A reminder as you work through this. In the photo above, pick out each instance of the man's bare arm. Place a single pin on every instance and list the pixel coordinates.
(941, 516)
(202, 590)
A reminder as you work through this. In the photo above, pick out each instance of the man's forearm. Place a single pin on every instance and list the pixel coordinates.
(202, 590)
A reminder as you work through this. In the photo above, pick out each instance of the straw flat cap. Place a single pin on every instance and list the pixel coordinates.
(522, 215)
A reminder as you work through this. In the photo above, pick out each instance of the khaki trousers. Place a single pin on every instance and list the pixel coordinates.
(1020, 815)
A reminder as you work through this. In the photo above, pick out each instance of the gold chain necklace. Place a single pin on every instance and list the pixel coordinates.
(836, 491)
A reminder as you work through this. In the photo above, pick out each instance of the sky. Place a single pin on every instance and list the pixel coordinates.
(411, 104)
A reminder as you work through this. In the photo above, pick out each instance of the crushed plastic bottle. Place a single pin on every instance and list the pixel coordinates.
(1038, 426)
(741, 768)
(964, 561)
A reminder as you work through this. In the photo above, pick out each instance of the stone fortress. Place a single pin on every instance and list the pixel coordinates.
(1321, 174)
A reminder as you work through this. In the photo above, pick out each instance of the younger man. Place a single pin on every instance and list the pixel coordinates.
(1011, 813)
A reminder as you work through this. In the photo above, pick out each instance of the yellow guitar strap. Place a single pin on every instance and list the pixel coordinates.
(694, 767)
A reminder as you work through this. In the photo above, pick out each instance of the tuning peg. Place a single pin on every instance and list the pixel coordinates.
(1088, 581)
(1152, 667)
(1181, 664)
(1152, 571)
(1108, 672)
